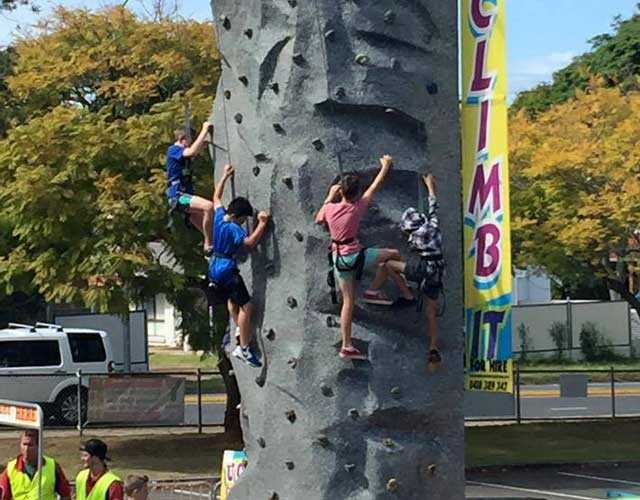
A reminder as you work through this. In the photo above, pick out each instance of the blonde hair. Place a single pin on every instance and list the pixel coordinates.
(134, 483)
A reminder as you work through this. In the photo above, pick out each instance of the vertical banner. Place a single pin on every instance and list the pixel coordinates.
(485, 181)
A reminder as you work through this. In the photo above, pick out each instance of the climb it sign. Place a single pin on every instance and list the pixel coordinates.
(485, 178)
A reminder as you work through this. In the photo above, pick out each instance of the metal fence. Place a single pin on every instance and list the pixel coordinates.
(184, 489)
(197, 399)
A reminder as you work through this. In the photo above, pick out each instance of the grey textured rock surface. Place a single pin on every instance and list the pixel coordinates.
(313, 88)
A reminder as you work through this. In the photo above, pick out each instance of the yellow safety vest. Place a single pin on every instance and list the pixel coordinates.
(25, 488)
(100, 489)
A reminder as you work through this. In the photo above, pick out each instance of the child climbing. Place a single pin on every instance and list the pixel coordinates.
(197, 210)
(228, 239)
(342, 211)
(425, 264)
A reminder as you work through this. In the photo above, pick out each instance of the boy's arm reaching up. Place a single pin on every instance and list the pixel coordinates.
(430, 184)
(195, 148)
(385, 164)
(219, 191)
(252, 240)
(333, 191)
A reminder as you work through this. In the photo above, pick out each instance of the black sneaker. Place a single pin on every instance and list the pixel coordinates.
(402, 302)
(208, 252)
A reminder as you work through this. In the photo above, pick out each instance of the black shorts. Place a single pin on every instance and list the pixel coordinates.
(234, 290)
(426, 273)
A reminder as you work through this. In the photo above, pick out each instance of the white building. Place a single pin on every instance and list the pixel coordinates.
(531, 286)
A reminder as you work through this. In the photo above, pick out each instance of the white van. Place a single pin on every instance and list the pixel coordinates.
(51, 355)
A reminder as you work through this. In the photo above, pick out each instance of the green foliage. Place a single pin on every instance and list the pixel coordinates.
(525, 341)
(559, 333)
(593, 345)
(612, 62)
(82, 180)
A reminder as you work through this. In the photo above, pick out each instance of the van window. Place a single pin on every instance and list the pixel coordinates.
(29, 353)
(86, 347)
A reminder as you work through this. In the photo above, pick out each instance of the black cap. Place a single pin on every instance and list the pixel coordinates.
(96, 448)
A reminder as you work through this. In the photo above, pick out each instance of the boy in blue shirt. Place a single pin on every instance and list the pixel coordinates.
(197, 210)
(228, 239)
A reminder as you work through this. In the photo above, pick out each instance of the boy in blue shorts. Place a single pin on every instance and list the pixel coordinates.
(228, 239)
(197, 210)
(342, 211)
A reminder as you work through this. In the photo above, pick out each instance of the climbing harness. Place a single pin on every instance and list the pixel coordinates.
(343, 266)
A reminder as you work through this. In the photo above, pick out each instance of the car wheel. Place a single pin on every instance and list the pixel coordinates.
(67, 406)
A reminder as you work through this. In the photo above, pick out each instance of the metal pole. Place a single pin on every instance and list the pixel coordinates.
(40, 450)
(79, 375)
(126, 341)
(518, 407)
(613, 392)
(198, 371)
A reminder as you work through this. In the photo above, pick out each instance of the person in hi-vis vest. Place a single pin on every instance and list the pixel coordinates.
(96, 481)
(19, 480)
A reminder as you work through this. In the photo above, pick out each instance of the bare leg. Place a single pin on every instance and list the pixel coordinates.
(432, 322)
(348, 289)
(395, 268)
(202, 217)
(233, 309)
(380, 278)
(244, 322)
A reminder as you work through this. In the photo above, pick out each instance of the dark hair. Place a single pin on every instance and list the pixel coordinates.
(350, 184)
(240, 207)
(181, 133)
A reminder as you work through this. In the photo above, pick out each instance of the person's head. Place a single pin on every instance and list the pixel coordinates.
(350, 187)
(136, 487)
(29, 446)
(412, 220)
(240, 209)
(182, 137)
(93, 452)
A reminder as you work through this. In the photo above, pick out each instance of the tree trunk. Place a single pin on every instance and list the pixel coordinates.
(311, 89)
(232, 412)
(620, 287)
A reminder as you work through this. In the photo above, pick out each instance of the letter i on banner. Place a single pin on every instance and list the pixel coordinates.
(485, 178)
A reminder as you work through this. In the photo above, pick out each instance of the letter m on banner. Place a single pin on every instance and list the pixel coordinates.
(485, 168)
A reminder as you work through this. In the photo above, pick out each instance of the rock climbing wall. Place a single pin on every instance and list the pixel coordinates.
(309, 89)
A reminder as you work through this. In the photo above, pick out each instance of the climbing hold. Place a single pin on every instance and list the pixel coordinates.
(292, 302)
(330, 34)
(238, 118)
(278, 128)
(298, 236)
(298, 58)
(390, 111)
(291, 416)
(362, 59)
(350, 467)
(326, 390)
(248, 33)
(275, 87)
(389, 17)
(260, 380)
(431, 469)
(293, 3)
(293, 362)
(226, 23)
(274, 496)
(256, 170)
(261, 157)
(244, 80)
(341, 92)
(318, 144)
(353, 136)
(432, 88)
(353, 413)
(332, 322)
(322, 441)
(388, 442)
(392, 485)
(290, 465)
(271, 334)
(261, 442)
(395, 63)
(227, 94)
(288, 181)
(396, 391)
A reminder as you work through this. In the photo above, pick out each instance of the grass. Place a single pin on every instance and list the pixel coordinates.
(553, 442)
(177, 360)
(553, 378)
(168, 455)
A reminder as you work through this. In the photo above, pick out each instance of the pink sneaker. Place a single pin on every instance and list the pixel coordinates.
(377, 297)
(351, 353)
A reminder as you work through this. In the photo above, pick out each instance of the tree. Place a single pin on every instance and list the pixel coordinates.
(612, 62)
(575, 193)
(82, 179)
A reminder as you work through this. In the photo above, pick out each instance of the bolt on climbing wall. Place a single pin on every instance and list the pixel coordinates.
(310, 89)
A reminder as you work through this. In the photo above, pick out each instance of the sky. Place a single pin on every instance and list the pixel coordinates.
(543, 35)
